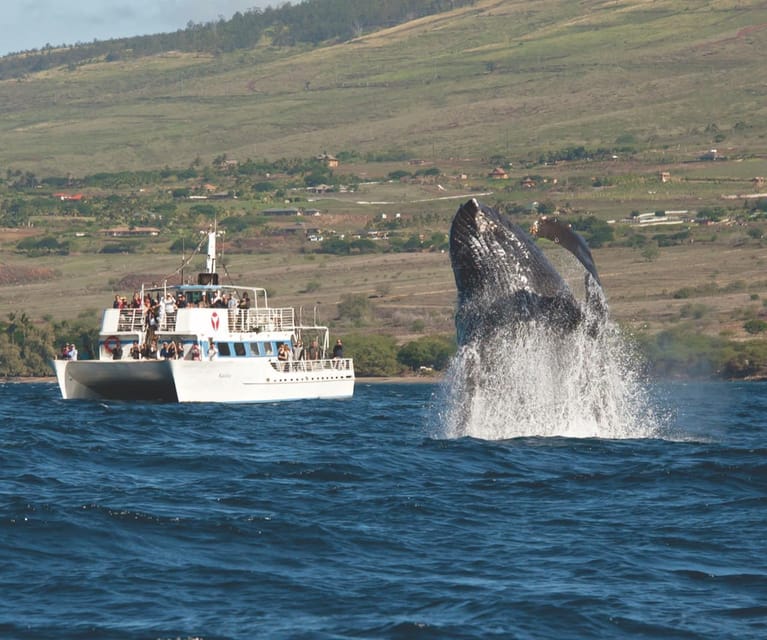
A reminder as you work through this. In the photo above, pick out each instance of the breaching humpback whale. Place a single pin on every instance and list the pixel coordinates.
(503, 278)
(535, 357)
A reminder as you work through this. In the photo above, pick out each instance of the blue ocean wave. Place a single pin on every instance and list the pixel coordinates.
(356, 519)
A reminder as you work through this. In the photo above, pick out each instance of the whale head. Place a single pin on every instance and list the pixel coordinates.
(502, 276)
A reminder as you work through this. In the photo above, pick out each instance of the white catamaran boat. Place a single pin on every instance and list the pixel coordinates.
(231, 346)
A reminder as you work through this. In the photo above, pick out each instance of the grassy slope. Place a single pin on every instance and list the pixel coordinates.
(512, 77)
(503, 77)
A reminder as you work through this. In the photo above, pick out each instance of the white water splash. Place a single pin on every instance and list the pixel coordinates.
(536, 383)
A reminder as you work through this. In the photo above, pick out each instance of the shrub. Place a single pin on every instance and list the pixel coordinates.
(755, 325)
(430, 351)
(374, 355)
(354, 307)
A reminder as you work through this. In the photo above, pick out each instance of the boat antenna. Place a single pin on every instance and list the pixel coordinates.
(210, 263)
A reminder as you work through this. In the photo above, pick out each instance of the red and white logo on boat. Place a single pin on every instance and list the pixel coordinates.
(214, 320)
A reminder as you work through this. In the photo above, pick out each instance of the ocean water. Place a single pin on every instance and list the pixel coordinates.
(378, 518)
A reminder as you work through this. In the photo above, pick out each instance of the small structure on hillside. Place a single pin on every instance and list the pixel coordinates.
(291, 211)
(69, 197)
(328, 160)
(132, 232)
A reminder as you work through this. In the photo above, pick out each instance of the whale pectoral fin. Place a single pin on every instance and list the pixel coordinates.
(563, 234)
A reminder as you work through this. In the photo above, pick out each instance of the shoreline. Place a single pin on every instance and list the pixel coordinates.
(362, 380)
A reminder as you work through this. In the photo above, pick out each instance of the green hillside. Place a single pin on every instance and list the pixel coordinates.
(604, 112)
(509, 78)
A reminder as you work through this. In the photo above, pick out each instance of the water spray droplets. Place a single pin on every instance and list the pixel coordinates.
(535, 382)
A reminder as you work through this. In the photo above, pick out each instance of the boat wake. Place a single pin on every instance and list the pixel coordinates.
(532, 382)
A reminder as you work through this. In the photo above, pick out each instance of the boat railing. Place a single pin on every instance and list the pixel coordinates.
(135, 320)
(309, 366)
(131, 320)
(245, 320)
(241, 320)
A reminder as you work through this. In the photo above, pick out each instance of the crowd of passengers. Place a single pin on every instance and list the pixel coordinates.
(68, 352)
(287, 353)
(170, 350)
(170, 303)
(155, 309)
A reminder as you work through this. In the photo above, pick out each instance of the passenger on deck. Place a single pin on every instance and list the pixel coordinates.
(135, 351)
(116, 303)
(338, 353)
(170, 304)
(159, 310)
(181, 302)
(284, 355)
(212, 351)
(117, 350)
(150, 350)
(195, 352)
(298, 350)
(313, 352)
(245, 301)
(72, 353)
(171, 351)
(164, 351)
(135, 301)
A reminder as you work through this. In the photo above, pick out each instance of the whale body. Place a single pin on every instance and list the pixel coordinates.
(504, 279)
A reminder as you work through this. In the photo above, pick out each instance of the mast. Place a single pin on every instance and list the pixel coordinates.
(210, 276)
(211, 261)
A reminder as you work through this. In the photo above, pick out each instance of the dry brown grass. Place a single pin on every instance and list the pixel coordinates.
(727, 283)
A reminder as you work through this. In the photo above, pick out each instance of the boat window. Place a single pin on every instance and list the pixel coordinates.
(254, 349)
(268, 349)
(223, 349)
(239, 348)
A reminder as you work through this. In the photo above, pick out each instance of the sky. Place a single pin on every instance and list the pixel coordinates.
(31, 24)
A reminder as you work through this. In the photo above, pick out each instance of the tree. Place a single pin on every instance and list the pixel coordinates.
(335, 246)
(430, 351)
(650, 253)
(354, 307)
(374, 355)
(363, 245)
(11, 362)
(755, 325)
(595, 231)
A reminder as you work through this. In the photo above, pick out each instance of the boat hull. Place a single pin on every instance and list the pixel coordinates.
(225, 380)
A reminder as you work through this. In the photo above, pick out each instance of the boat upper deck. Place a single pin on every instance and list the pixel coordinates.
(198, 307)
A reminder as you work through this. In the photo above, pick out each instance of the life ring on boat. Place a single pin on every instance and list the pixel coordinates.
(110, 343)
